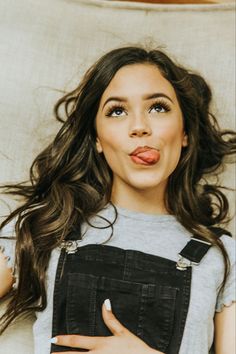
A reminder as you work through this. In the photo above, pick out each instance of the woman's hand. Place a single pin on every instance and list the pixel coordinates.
(122, 341)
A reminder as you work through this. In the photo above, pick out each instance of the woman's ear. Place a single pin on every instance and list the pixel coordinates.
(98, 145)
(185, 140)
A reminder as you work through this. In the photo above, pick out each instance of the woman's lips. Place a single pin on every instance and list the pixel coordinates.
(146, 156)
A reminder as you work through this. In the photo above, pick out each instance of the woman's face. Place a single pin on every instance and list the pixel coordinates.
(139, 111)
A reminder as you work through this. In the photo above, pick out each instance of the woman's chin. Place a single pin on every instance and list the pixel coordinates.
(146, 185)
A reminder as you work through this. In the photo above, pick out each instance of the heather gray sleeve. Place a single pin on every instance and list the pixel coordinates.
(227, 295)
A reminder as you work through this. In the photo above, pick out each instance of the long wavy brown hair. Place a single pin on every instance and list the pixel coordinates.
(70, 181)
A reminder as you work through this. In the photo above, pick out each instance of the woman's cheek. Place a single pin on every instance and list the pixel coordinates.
(171, 134)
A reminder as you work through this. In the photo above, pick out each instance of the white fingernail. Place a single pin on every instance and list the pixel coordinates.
(107, 304)
(53, 340)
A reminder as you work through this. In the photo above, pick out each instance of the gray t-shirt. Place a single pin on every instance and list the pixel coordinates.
(164, 236)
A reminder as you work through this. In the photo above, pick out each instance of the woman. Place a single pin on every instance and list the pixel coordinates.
(119, 209)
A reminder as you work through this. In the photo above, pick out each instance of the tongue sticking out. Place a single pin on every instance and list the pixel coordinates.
(149, 156)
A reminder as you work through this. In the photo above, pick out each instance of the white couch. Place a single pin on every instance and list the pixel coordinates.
(45, 46)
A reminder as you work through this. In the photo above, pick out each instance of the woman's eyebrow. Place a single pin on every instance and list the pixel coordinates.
(157, 95)
(145, 97)
(115, 98)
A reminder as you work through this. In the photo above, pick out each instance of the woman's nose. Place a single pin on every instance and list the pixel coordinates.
(139, 127)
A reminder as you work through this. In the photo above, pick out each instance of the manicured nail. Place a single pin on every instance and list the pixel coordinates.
(54, 340)
(107, 304)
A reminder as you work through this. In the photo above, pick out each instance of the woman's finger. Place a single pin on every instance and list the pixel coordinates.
(110, 320)
(77, 341)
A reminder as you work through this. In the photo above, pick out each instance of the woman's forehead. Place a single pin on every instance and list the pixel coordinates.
(139, 80)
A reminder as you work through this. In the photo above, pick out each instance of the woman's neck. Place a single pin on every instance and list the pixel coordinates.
(148, 201)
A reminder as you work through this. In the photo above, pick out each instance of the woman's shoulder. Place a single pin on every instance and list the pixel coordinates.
(227, 240)
(214, 262)
(229, 243)
(227, 295)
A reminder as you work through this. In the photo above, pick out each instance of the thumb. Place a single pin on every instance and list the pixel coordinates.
(110, 320)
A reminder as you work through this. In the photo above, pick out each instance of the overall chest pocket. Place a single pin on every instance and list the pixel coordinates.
(147, 310)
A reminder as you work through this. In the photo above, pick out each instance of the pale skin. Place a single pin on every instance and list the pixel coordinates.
(150, 116)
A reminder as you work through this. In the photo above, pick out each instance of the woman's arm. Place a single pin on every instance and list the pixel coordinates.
(6, 277)
(225, 330)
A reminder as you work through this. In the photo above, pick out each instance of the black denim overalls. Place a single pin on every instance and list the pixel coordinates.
(149, 294)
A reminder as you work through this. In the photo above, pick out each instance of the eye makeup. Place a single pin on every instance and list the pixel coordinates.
(114, 108)
(160, 105)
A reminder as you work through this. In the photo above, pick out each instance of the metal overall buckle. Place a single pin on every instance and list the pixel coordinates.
(70, 246)
(183, 263)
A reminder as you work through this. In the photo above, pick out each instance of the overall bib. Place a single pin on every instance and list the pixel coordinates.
(149, 294)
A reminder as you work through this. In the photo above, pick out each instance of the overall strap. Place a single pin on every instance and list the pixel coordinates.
(74, 234)
(196, 249)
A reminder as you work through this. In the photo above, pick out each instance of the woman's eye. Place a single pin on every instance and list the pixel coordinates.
(159, 108)
(116, 112)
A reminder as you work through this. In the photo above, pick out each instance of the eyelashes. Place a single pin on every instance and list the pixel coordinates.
(118, 110)
(162, 106)
(115, 109)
